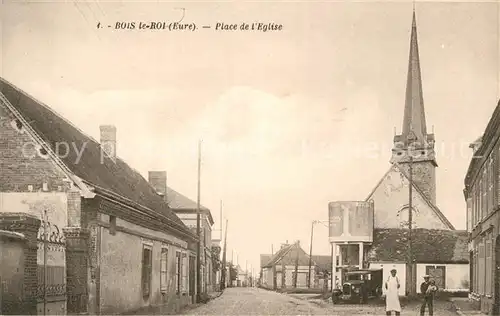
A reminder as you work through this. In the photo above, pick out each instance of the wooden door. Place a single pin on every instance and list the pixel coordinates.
(438, 274)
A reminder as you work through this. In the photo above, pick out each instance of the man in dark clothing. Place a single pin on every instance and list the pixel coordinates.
(428, 297)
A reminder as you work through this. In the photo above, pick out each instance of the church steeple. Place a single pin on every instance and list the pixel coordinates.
(414, 113)
(414, 139)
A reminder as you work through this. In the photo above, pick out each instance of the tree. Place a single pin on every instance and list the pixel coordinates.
(216, 262)
(233, 272)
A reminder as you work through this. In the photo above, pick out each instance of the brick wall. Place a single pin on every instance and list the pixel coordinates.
(21, 163)
(76, 269)
(74, 208)
(28, 226)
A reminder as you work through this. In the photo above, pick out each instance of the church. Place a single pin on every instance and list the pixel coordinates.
(375, 232)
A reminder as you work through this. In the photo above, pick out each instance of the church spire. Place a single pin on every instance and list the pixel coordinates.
(414, 112)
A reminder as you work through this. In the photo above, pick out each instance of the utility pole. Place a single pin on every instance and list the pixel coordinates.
(272, 250)
(296, 264)
(198, 230)
(310, 255)
(223, 272)
(45, 247)
(412, 288)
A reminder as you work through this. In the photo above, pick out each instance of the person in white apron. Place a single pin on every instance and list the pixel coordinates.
(392, 295)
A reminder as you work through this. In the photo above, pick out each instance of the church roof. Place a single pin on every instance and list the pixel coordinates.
(436, 210)
(414, 113)
(433, 246)
(112, 179)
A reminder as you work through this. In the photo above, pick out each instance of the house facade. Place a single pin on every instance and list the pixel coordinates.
(441, 254)
(279, 272)
(482, 192)
(186, 210)
(361, 231)
(108, 242)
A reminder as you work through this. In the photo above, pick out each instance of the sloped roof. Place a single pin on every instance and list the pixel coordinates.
(436, 210)
(264, 259)
(178, 201)
(429, 245)
(288, 255)
(322, 263)
(116, 177)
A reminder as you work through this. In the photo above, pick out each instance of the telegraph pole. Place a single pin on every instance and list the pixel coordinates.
(412, 287)
(198, 230)
(223, 272)
(310, 255)
(45, 247)
(410, 227)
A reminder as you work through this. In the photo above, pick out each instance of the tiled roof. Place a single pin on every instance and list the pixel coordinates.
(264, 259)
(288, 255)
(180, 202)
(429, 245)
(322, 263)
(117, 177)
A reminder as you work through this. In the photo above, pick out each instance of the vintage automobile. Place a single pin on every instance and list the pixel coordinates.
(359, 286)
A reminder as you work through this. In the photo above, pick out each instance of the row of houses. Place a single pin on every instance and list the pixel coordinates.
(482, 196)
(81, 231)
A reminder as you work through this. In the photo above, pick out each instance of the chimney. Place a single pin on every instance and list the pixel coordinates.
(108, 140)
(158, 180)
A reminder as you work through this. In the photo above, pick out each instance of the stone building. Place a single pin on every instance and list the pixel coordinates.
(113, 245)
(370, 233)
(482, 195)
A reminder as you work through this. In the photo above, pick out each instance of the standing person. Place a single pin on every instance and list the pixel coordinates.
(427, 289)
(392, 296)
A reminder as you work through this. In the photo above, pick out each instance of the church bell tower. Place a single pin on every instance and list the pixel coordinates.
(414, 139)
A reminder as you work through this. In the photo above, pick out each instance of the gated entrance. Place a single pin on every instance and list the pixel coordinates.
(51, 262)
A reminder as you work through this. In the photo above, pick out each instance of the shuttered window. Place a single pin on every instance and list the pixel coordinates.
(184, 274)
(488, 266)
(481, 268)
(147, 258)
(178, 272)
(490, 185)
(163, 270)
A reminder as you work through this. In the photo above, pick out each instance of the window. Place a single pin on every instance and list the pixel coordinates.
(491, 181)
(481, 268)
(163, 270)
(479, 200)
(184, 274)
(484, 204)
(469, 214)
(488, 267)
(147, 256)
(112, 225)
(178, 272)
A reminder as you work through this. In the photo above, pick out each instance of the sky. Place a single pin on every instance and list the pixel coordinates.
(289, 120)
